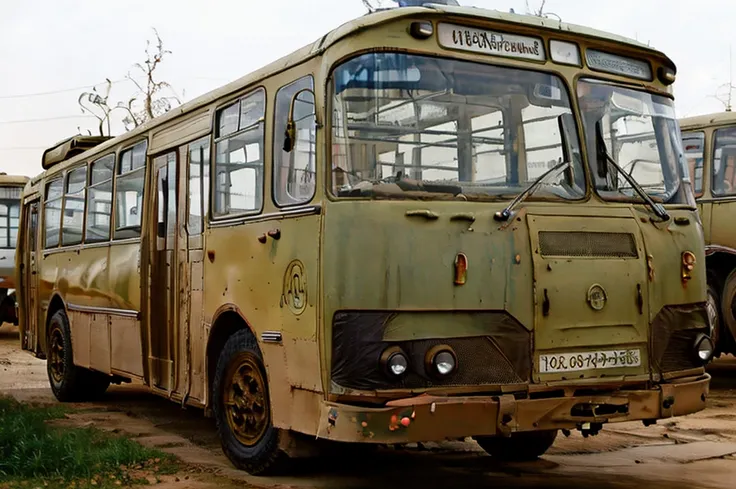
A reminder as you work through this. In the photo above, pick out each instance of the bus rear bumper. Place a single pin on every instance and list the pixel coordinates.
(434, 418)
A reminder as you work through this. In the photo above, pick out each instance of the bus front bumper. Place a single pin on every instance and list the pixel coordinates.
(434, 418)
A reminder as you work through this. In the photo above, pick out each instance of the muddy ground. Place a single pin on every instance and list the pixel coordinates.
(697, 451)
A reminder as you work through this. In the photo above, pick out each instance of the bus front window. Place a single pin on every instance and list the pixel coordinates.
(641, 135)
(408, 126)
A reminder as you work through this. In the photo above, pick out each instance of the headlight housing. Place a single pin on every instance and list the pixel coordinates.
(704, 348)
(441, 361)
(394, 362)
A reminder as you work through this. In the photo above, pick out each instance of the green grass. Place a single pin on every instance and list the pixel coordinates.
(34, 454)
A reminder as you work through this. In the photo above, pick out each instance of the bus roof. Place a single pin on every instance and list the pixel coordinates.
(354, 26)
(701, 121)
(13, 180)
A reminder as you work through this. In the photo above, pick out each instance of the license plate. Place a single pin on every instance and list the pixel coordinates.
(591, 360)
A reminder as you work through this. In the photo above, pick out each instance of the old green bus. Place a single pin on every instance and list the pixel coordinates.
(431, 223)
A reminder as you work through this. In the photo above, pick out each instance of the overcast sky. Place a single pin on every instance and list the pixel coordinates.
(51, 50)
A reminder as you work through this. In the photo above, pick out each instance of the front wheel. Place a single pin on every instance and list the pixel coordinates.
(713, 306)
(242, 408)
(524, 446)
(728, 306)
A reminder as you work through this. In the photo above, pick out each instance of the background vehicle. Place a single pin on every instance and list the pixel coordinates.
(11, 187)
(710, 147)
(405, 231)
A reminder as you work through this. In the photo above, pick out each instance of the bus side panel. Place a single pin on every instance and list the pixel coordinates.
(126, 350)
(275, 286)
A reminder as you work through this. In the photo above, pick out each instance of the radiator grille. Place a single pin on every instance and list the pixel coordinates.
(587, 244)
(674, 332)
(500, 355)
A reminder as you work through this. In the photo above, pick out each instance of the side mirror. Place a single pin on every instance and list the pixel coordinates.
(304, 97)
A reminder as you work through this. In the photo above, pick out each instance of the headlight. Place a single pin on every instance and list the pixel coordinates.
(441, 361)
(394, 362)
(704, 348)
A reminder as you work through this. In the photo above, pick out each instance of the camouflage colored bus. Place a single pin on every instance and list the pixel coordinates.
(11, 187)
(710, 147)
(430, 223)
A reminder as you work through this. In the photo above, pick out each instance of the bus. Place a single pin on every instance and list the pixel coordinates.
(11, 187)
(710, 148)
(433, 222)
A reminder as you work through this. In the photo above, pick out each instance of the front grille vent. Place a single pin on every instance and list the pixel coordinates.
(587, 244)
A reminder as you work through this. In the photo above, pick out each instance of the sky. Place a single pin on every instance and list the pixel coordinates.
(52, 51)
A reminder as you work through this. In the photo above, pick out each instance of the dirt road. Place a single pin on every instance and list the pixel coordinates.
(697, 451)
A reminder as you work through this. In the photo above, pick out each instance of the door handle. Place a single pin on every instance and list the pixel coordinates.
(426, 213)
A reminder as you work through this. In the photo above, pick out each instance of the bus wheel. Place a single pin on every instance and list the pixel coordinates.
(728, 305)
(69, 382)
(519, 447)
(242, 408)
(713, 307)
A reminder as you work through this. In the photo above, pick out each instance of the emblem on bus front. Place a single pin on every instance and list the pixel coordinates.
(597, 297)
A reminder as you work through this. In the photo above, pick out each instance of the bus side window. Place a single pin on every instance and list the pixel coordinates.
(294, 172)
(73, 218)
(199, 178)
(724, 162)
(130, 181)
(99, 200)
(239, 156)
(52, 213)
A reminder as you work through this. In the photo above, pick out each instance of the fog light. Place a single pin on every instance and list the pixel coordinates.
(440, 361)
(704, 348)
(394, 362)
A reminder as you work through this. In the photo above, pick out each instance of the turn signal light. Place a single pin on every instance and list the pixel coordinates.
(688, 265)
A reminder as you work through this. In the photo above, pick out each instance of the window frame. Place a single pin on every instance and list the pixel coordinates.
(6, 226)
(47, 185)
(698, 193)
(712, 160)
(204, 143)
(116, 176)
(94, 186)
(275, 138)
(212, 215)
(67, 193)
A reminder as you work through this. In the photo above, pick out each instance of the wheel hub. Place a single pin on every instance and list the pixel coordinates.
(245, 400)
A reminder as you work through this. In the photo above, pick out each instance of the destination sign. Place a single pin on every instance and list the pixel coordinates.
(619, 65)
(489, 42)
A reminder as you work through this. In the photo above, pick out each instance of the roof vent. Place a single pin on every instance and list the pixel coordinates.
(69, 148)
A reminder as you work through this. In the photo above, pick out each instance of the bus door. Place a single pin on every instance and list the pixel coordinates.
(29, 276)
(162, 282)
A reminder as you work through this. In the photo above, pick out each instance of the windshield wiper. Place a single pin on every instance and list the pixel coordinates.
(658, 209)
(506, 213)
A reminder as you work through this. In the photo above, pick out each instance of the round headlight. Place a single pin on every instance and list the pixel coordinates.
(704, 348)
(441, 361)
(394, 362)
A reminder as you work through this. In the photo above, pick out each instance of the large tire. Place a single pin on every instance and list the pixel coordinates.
(728, 308)
(69, 383)
(519, 447)
(715, 320)
(242, 408)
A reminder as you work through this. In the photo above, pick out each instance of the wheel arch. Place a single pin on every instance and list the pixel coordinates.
(56, 303)
(227, 320)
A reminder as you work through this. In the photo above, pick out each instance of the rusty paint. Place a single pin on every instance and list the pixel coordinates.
(461, 269)
(688, 265)
(650, 267)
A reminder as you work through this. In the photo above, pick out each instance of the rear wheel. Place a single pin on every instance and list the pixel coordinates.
(69, 382)
(242, 408)
(519, 447)
(728, 306)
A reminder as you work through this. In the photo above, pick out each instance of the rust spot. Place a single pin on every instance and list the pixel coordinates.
(262, 238)
(461, 269)
(211, 255)
(517, 259)
(650, 267)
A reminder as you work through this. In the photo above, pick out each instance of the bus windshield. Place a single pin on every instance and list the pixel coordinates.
(641, 136)
(408, 126)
